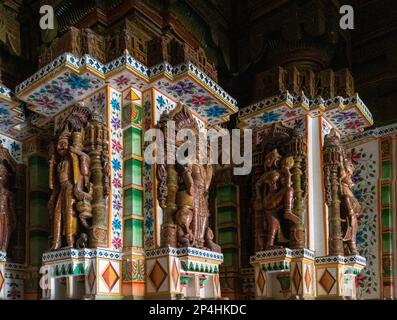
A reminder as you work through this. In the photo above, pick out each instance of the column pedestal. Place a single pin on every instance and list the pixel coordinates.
(14, 286)
(336, 276)
(81, 274)
(182, 273)
(2, 275)
(284, 274)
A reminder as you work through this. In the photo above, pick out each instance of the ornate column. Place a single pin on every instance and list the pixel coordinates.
(97, 147)
(333, 157)
(293, 124)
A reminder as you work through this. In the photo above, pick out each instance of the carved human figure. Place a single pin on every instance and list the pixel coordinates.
(200, 176)
(274, 195)
(350, 207)
(7, 210)
(68, 170)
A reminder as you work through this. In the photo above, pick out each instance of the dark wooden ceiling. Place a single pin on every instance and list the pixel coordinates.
(370, 50)
(246, 37)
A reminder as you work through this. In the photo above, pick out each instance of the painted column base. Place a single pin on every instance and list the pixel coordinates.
(182, 273)
(14, 281)
(81, 274)
(336, 276)
(284, 274)
(2, 275)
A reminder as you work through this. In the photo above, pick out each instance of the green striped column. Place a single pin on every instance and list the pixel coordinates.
(228, 237)
(386, 207)
(38, 223)
(133, 217)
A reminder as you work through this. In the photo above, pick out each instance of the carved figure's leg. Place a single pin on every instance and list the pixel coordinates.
(352, 242)
(273, 226)
(71, 217)
(56, 224)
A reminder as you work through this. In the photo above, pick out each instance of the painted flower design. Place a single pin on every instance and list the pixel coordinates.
(354, 124)
(116, 165)
(160, 100)
(15, 147)
(116, 123)
(354, 156)
(357, 193)
(271, 116)
(148, 204)
(298, 123)
(116, 183)
(115, 104)
(149, 222)
(116, 224)
(290, 113)
(116, 145)
(199, 100)
(45, 102)
(121, 80)
(77, 82)
(116, 242)
(343, 116)
(4, 112)
(148, 185)
(183, 88)
(60, 93)
(215, 111)
(116, 204)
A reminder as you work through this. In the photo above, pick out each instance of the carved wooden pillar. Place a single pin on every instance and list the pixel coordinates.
(297, 149)
(97, 150)
(332, 163)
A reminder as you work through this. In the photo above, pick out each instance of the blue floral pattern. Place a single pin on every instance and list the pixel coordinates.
(14, 148)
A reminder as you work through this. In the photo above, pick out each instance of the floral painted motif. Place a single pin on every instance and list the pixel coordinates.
(14, 147)
(282, 113)
(347, 122)
(183, 87)
(121, 81)
(199, 100)
(365, 158)
(194, 97)
(162, 104)
(216, 111)
(116, 137)
(62, 91)
(4, 112)
(271, 116)
(148, 178)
